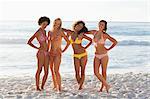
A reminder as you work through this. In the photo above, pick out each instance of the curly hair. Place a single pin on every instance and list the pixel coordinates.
(43, 19)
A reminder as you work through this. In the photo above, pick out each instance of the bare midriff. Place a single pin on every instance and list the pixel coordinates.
(78, 48)
(100, 49)
(56, 45)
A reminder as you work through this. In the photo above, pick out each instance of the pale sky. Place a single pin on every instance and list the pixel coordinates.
(72, 10)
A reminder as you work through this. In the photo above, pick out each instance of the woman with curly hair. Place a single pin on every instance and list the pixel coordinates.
(42, 54)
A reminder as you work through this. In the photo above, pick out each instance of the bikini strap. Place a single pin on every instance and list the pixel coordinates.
(38, 30)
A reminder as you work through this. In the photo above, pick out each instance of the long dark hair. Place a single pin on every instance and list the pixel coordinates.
(104, 30)
(84, 29)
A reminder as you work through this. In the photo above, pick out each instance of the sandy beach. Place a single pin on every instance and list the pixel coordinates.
(123, 86)
(128, 68)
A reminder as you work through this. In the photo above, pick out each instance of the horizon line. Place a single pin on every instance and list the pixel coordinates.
(84, 20)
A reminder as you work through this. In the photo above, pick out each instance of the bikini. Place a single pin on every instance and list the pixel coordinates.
(58, 51)
(78, 41)
(96, 42)
(43, 38)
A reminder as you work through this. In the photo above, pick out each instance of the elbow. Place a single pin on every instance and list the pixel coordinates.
(90, 40)
(116, 42)
(28, 42)
(68, 43)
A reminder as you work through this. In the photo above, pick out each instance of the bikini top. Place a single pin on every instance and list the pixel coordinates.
(77, 41)
(56, 37)
(42, 37)
(98, 41)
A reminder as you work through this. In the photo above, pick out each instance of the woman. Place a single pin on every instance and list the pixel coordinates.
(101, 56)
(42, 54)
(80, 54)
(56, 36)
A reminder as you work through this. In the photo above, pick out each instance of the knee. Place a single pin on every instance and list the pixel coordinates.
(52, 72)
(46, 73)
(82, 73)
(104, 73)
(77, 74)
(39, 70)
(56, 72)
(51, 65)
(96, 73)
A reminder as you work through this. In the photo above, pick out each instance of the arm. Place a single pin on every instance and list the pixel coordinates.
(88, 38)
(69, 32)
(112, 40)
(30, 41)
(67, 40)
(91, 32)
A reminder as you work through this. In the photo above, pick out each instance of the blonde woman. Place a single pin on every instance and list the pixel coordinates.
(56, 36)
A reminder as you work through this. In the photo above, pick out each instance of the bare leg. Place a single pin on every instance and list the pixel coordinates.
(40, 58)
(57, 61)
(52, 71)
(104, 62)
(98, 75)
(77, 69)
(46, 67)
(83, 62)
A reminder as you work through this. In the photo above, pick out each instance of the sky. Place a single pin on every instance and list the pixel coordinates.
(72, 10)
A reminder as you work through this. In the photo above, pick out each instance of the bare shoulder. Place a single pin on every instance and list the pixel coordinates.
(62, 32)
(106, 35)
(81, 35)
(37, 32)
(69, 33)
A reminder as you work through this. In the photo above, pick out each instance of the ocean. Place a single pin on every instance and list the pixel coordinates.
(132, 54)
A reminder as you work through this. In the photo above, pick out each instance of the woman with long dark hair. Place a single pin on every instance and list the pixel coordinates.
(101, 56)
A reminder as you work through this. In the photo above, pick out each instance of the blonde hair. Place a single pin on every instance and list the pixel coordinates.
(59, 20)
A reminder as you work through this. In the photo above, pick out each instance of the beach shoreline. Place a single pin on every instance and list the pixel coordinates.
(128, 85)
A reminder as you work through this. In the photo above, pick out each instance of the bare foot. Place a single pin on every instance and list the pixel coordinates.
(59, 89)
(107, 88)
(38, 89)
(100, 90)
(80, 88)
(54, 88)
(42, 88)
(58, 92)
